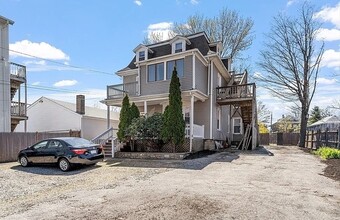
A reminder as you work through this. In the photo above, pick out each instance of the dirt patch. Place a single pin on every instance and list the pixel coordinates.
(333, 166)
(333, 169)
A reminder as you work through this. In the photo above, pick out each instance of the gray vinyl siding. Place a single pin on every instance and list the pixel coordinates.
(129, 79)
(221, 134)
(159, 87)
(202, 116)
(201, 76)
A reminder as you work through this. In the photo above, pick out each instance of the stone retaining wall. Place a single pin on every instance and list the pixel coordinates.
(151, 155)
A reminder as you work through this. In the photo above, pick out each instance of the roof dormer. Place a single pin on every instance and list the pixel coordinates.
(178, 44)
(216, 47)
(142, 52)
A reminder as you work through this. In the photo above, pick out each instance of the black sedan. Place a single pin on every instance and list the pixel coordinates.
(65, 152)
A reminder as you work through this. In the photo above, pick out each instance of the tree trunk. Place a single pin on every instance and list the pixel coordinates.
(303, 127)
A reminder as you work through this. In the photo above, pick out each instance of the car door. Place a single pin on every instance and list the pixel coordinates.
(35, 155)
(52, 151)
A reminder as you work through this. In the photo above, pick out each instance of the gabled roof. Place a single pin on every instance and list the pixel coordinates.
(330, 122)
(89, 111)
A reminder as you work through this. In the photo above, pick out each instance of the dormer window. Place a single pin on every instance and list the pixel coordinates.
(141, 55)
(178, 47)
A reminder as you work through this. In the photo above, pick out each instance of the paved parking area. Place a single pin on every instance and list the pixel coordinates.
(226, 185)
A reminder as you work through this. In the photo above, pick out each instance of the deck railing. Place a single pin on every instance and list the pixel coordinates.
(118, 91)
(198, 131)
(18, 70)
(236, 91)
(18, 109)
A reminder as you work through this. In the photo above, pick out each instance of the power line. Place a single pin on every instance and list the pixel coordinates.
(60, 63)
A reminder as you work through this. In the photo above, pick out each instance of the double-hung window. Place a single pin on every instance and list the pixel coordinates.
(178, 47)
(179, 64)
(237, 125)
(218, 117)
(156, 72)
(141, 55)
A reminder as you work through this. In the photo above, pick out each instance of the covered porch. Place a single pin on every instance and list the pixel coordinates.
(151, 104)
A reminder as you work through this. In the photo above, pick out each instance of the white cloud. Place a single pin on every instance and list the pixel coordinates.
(138, 2)
(331, 59)
(330, 14)
(162, 29)
(290, 2)
(65, 83)
(36, 83)
(326, 81)
(194, 2)
(41, 50)
(328, 34)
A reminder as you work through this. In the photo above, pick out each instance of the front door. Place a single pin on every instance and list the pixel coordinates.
(35, 155)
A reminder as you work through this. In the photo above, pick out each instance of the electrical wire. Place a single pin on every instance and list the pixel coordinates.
(60, 63)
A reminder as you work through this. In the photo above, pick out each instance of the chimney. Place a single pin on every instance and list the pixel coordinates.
(80, 104)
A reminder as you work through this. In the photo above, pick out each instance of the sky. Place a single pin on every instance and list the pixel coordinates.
(76, 47)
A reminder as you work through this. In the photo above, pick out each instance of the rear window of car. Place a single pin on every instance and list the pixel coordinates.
(79, 142)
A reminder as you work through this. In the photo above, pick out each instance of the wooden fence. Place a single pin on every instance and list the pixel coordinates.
(316, 139)
(279, 139)
(12, 143)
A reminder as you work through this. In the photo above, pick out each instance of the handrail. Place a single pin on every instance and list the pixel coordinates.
(100, 139)
(236, 91)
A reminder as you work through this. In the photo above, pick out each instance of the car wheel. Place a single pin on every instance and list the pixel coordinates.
(23, 161)
(64, 165)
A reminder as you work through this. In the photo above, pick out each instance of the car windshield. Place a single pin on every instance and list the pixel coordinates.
(79, 142)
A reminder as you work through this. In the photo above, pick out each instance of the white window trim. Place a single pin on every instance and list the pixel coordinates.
(241, 126)
(145, 52)
(147, 73)
(173, 46)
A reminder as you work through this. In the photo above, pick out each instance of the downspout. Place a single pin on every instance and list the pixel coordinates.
(211, 98)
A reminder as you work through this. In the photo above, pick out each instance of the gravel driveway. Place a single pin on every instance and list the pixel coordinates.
(226, 185)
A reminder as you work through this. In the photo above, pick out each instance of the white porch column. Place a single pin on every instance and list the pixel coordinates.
(145, 108)
(191, 120)
(193, 70)
(108, 117)
(211, 100)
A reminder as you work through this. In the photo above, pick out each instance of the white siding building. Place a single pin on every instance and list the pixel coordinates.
(53, 115)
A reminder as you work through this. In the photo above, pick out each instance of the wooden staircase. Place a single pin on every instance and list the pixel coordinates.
(107, 148)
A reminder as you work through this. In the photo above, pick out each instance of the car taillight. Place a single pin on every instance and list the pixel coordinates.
(79, 151)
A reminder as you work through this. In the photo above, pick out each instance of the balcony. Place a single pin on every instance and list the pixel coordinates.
(18, 109)
(235, 93)
(118, 91)
(18, 71)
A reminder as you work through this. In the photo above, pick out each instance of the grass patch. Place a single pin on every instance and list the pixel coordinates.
(328, 153)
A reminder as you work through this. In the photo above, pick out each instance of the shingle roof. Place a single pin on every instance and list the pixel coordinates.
(197, 40)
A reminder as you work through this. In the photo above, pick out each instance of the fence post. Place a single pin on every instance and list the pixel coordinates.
(312, 140)
(326, 137)
(318, 137)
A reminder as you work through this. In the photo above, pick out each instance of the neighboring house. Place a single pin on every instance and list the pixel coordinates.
(286, 124)
(53, 115)
(217, 105)
(12, 84)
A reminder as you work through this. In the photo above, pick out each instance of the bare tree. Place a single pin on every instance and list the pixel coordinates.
(234, 31)
(291, 61)
(156, 36)
(263, 114)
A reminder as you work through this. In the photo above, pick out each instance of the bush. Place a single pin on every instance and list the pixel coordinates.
(328, 153)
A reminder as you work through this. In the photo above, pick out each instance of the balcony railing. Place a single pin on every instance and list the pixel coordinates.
(118, 91)
(236, 92)
(198, 131)
(18, 70)
(18, 109)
